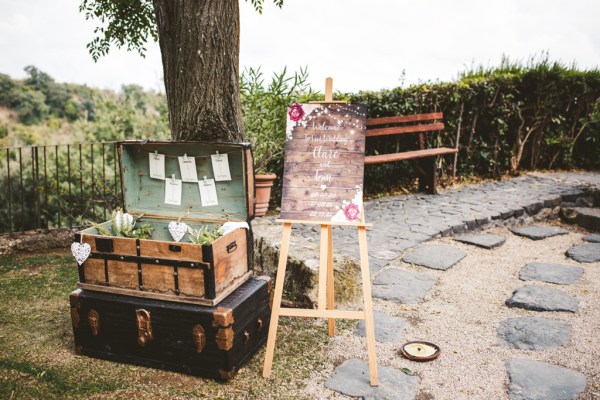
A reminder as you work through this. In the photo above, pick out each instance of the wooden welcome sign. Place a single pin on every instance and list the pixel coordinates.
(324, 163)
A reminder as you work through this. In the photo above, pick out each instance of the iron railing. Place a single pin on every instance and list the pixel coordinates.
(58, 186)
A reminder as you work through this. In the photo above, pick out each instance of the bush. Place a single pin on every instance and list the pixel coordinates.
(264, 109)
(3, 130)
(31, 107)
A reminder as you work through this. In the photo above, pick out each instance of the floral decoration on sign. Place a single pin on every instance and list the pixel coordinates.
(351, 211)
(296, 112)
(298, 115)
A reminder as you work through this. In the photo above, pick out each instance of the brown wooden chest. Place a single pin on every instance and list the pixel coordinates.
(159, 267)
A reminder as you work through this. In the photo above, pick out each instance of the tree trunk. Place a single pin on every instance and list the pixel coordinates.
(199, 42)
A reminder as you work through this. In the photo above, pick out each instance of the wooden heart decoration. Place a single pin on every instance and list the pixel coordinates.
(81, 251)
(177, 230)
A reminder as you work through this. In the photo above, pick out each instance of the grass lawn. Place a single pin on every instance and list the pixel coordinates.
(37, 358)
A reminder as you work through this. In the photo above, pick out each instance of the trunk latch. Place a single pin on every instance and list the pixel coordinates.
(144, 327)
(199, 338)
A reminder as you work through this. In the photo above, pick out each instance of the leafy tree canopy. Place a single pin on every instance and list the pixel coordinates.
(127, 23)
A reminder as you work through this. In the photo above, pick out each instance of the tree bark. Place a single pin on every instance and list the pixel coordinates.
(199, 42)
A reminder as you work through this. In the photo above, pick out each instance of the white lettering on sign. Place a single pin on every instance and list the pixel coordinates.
(326, 138)
(319, 152)
(321, 177)
(322, 195)
(323, 127)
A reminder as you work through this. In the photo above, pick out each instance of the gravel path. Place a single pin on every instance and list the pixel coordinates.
(463, 312)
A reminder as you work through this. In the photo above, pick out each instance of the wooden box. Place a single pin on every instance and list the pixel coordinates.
(206, 341)
(159, 267)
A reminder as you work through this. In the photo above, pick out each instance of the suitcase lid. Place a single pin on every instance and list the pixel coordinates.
(145, 195)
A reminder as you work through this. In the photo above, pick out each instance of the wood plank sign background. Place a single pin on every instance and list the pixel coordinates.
(324, 163)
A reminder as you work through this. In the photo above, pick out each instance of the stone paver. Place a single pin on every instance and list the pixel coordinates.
(435, 256)
(487, 241)
(533, 333)
(535, 232)
(538, 298)
(586, 217)
(387, 327)
(585, 253)
(402, 286)
(536, 380)
(592, 238)
(352, 379)
(552, 273)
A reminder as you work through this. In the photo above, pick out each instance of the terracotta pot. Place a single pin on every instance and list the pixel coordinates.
(264, 182)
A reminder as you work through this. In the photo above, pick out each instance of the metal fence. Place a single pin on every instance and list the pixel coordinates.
(59, 186)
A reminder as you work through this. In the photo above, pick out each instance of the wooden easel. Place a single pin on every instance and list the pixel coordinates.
(325, 306)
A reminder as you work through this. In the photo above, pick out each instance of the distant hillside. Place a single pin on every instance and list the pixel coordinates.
(38, 110)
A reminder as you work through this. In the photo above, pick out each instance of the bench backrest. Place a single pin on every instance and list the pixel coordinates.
(400, 125)
(418, 123)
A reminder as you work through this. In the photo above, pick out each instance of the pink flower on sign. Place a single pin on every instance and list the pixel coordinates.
(296, 112)
(351, 211)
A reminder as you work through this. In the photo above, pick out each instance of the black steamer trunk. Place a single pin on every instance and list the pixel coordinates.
(211, 342)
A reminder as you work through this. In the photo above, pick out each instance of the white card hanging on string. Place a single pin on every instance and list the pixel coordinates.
(173, 191)
(157, 165)
(187, 166)
(220, 164)
(208, 192)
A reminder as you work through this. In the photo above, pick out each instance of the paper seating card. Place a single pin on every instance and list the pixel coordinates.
(173, 191)
(187, 166)
(157, 166)
(220, 164)
(208, 192)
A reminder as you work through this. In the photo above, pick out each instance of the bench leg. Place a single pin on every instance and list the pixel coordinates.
(427, 175)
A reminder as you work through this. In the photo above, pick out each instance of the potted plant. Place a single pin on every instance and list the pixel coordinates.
(265, 116)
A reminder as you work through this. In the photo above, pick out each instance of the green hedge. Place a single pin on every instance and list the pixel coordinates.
(543, 115)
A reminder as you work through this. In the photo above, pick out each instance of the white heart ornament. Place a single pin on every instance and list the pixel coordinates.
(177, 230)
(81, 251)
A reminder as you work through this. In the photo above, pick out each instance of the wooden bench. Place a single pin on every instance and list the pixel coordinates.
(425, 157)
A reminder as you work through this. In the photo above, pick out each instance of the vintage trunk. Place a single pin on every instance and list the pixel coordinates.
(159, 267)
(205, 341)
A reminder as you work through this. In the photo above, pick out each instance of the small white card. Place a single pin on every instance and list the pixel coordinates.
(220, 164)
(157, 166)
(208, 192)
(173, 191)
(187, 166)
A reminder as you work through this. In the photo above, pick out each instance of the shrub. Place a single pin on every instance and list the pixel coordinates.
(264, 109)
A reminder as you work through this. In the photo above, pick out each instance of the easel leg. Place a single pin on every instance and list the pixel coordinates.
(323, 261)
(283, 254)
(368, 305)
(330, 283)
